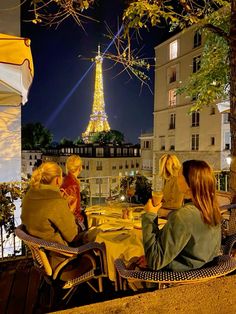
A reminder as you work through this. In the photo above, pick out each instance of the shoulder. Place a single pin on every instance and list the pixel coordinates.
(186, 214)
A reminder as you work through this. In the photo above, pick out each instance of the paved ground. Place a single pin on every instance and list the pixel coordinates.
(217, 296)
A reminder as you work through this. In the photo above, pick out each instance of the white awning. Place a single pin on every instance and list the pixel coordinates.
(16, 70)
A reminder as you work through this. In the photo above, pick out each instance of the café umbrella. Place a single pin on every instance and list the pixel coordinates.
(16, 70)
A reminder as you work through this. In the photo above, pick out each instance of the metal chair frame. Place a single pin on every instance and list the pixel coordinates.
(40, 249)
(221, 266)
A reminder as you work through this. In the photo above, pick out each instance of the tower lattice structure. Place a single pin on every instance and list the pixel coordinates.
(98, 121)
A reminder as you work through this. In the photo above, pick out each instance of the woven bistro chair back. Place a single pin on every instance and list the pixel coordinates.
(40, 253)
(220, 266)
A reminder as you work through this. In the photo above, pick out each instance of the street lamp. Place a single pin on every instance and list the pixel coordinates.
(229, 159)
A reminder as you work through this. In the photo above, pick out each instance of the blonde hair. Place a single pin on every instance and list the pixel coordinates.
(45, 173)
(169, 166)
(201, 180)
(73, 162)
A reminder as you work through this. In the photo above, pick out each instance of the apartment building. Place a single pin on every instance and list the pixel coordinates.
(203, 134)
(146, 144)
(103, 166)
(30, 160)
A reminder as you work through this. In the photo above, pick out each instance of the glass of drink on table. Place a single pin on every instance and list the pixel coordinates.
(157, 197)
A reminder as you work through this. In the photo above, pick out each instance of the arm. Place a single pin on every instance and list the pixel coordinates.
(162, 246)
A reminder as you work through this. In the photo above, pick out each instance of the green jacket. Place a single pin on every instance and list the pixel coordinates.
(46, 215)
(184, 243)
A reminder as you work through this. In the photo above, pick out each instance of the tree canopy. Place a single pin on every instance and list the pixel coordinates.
(112, 136)
(35, 136)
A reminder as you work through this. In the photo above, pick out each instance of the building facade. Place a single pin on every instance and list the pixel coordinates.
(203, 134)
(103, 166)
(30, 159)
(146, 144)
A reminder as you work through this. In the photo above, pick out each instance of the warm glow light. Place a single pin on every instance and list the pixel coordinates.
(228, 159)
(98, 119)
(122, 198)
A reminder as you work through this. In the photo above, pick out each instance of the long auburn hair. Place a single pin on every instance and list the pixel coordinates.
(201, 180)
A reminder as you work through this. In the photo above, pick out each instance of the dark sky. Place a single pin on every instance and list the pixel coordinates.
(60, 103)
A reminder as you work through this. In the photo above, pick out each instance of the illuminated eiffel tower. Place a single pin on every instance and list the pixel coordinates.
(98, 119)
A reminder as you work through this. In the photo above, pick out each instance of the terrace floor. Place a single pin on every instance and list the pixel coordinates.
(20, 290)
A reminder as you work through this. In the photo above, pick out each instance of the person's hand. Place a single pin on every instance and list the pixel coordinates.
(142, 262)
(149, 208)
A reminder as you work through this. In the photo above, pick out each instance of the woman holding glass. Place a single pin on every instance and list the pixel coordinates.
(192, 235)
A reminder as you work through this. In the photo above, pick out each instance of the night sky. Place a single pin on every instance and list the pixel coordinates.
(60, 102)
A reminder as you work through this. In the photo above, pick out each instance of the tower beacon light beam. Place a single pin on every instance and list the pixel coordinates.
(98, 121)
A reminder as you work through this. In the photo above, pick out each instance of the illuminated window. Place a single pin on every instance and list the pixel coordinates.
(196, 63)
(99, 151)
(195, 118)
(173, 49)
(172, 121)
(172, 97)
(125, 151)
(195, 141)
(197, 40)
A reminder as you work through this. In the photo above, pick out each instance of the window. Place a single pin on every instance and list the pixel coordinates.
(99, 165)
(173, 49)
(118, 151)
(227, 140)
(172, 142)
(212, 110)
(99, 151)
(172, 74)
(195, 118)
(212, 140)
(162, 142)
(112, 150)
(196, 63)
(226, 118)
(113, 167)
(172, 97)
(172, 121)
(195, 141)
(120, 167)
(197, 40)
(125, 151)
(146, 144)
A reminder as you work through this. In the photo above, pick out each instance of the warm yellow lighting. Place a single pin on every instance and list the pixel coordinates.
(98, 119)
(228, 159)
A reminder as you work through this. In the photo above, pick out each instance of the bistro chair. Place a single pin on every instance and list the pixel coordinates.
(220, 266)
(40, 252)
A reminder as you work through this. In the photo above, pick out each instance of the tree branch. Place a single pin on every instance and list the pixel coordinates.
(217, 30)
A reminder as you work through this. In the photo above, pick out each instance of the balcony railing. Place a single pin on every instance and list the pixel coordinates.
(94, 190)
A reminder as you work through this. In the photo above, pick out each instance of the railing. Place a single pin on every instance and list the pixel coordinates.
(94, 190)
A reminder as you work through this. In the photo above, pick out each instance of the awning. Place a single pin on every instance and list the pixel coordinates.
(224, 106)
(16, 69)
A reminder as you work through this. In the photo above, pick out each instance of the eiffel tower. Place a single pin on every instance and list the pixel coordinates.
(98, 121)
